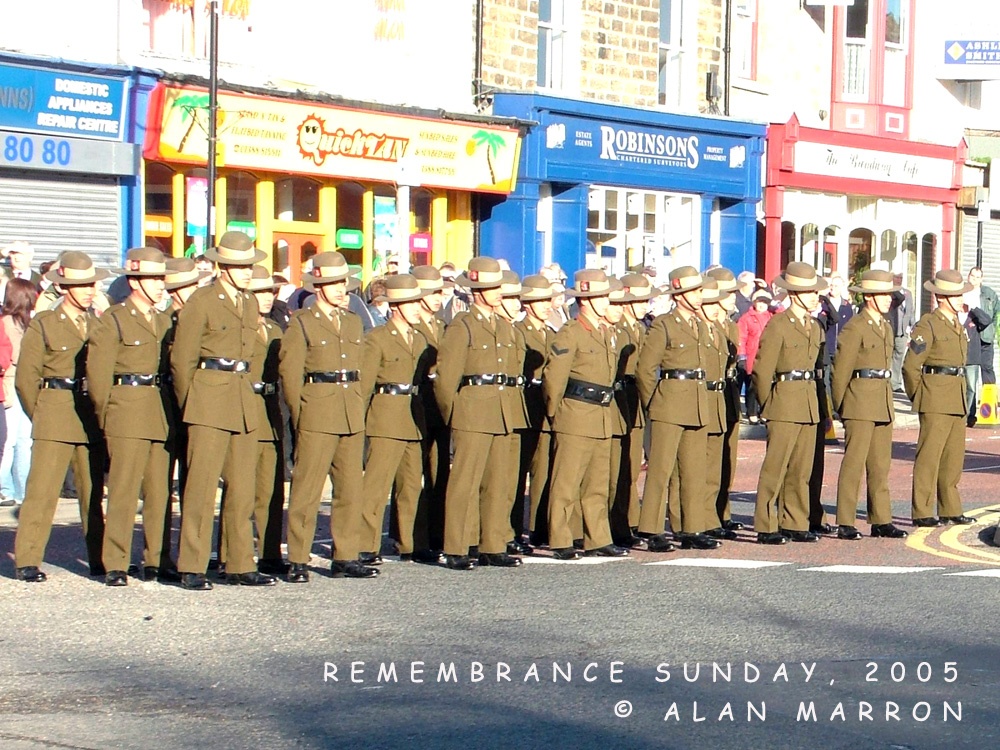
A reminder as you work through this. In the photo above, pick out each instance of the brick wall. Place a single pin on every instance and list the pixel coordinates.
(510, 44)
(711, 40)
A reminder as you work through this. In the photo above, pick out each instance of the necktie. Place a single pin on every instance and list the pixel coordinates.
(81, 325)
(262, 330)
(408, 337)
(239, 304)
(335, 319)
(694, 326)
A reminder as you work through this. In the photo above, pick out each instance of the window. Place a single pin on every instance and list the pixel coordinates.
(857, 52)
(894, 70)
(554, 68)
(241, 197)
(170, 26)
(671, 51)
(744, 39)
(296, 199)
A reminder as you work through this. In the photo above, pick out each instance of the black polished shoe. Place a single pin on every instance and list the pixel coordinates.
(253, 578)
(425, 557)
(276, 567)
(608, 550)
(824, 529)
(459, 562)
(370, 558)
(352, 569)
(958, 520)
(801, 536)
(499, 560)
(721, 533)
(888, 530)
(195, 582)
(659, 543)
(163, 574)
(732, 525)
(698, 541)
(116, 578)
(98, 570)
(517, 547)
(566, 553)
(538, 540)
(768, 538)
(848, 532)
(927, 522)
(636, 543)
(30, 574)
(578, 544)
(297, 573)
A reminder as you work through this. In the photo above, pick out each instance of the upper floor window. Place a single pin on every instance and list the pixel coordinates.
(554, 68)
(171, 27)
(857, 51)
(744, 39)
(671, 52)
(896, 43)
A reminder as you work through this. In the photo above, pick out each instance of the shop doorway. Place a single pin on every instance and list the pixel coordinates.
(291, 251)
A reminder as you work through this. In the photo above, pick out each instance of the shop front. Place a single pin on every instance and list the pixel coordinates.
(301, 177)
(841, 201)
(68, 169)
(610, 187)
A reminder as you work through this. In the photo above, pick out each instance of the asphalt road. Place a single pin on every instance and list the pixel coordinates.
(770, 631)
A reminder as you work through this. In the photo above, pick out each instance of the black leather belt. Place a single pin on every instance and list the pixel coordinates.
(731, 373)
(129, 378)
(682, 375)
(224, 364)
(492, 378)
(592, 393)
(397, 389)
(533, 383)
(66, 384)
(943, 370)
(337, 376)
(265, 389)
(795, 375)
(868, 372)
(715, 385)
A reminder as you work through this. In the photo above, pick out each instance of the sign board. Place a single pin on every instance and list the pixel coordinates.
(350, 239)
(60, 154)
(971, 60)
(42, 100)
(880, 166)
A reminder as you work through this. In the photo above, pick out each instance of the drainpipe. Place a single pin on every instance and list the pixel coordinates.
(477, 83)
(727, 52)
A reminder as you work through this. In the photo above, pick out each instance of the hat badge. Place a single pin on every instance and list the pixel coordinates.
(473, 275)
(675, 283)
(584, 286)
(134, 265)
(317, 272)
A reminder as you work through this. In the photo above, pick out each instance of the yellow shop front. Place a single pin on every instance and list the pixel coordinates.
(301, 177)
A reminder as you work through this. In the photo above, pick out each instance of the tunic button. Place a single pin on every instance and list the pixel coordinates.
(322, 343)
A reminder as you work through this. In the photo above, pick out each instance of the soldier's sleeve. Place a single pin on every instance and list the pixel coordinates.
(921, 340)
(291, 366)
(27, 379)
(848, 344)
(186, 350)
(650, 357)
(766, 363)
(556, 373)
(102, 353)
(371, 363)
(451, 366)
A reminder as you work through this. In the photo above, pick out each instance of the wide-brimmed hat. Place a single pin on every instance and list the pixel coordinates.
(511, 286)
(261, 281)
(144, 261)
(725, 278)
(589, 282)
(235, 249)
(327, 268)
(483, 273)
(617, 292)
(638, 288)
(16, 247)
(428, 278)
(710, 292)
(684, 279)
(800, 277)
(182, 272)
(76, 269)
(875, 282)
(535, 288)
(948, 283)
(402, 287)
(761, 294)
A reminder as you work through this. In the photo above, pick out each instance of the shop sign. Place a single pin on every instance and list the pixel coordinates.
(266, 134)
(421, 242)
(248, 228)
(55, 154)
(971, 60)
(350, 239)
(42, 100)
(866, 164)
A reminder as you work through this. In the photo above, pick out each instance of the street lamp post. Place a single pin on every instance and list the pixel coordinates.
(213, 110)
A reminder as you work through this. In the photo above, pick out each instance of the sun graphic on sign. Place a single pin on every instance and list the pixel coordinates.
(310, 134)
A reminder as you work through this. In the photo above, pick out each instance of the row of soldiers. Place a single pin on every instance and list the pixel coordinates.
(561, 414)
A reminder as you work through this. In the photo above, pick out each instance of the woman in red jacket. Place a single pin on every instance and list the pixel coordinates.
(751, 325)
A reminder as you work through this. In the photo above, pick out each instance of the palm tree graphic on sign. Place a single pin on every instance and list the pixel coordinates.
(190, 105)
(492, 142)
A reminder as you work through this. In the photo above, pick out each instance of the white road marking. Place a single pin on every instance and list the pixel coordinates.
(888, 569)
(583, 561)
(989, 573)
(696, 562)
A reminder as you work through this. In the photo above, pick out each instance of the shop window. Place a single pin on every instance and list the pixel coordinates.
(241, 198)
(420, 208)
(158, 222)
(928, 264)
(350, 205)
(744, 38)
(857, 51)
(910, 248)
(888, 248)
(860, 243)
(809, 247)
(296, 199)
(671, 51)
(554, 65)
(830, 248)
(787, 252)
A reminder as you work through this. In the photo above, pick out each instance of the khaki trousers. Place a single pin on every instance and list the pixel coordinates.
(626, 463)
(215, 454)
(318, 454)
(268, 506)
(477, 503)
(49, 462)
(785, 474)
(937, 467)
(868, 451)
(581, 477)
(393, 463)
(685, 448)
(137, 465)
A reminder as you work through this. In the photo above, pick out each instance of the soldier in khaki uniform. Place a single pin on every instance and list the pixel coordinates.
(671, 378)
(210, 363)
(127, 367)
(391, 377)
(320, 374)
(535, 454)
(933, 375)
(784, 375)
(862, 396)
(730, 450)
(477, 395)
(578, 386)
(51, 385)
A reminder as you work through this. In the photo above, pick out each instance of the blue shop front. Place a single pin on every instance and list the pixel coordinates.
(605, 186)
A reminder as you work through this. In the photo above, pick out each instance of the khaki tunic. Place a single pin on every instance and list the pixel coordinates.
(535, 454)
(626, 452)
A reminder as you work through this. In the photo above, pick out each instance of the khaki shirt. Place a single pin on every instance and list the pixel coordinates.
(935, 340)
(387, 358)
(788, 344)
(264, 369)
(865, 342)
(716, 362)
(630, 339)
(732, 392)
(673, 344)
